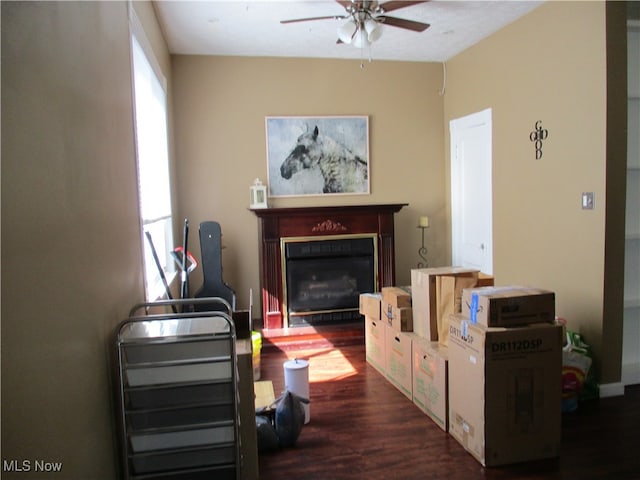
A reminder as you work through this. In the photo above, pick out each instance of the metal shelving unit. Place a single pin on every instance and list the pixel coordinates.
(178, 393)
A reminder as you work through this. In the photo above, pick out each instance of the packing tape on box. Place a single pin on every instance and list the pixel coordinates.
(473, 308)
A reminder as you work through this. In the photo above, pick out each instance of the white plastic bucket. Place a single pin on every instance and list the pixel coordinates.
(296, 380)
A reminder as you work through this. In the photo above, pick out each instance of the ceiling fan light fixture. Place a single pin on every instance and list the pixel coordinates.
(361, 38)
(365, 19)
(346, 31)
(373, 29)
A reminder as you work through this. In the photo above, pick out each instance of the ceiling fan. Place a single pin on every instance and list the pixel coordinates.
(365, 19)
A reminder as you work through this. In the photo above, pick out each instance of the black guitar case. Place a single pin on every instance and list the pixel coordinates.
(213, 285)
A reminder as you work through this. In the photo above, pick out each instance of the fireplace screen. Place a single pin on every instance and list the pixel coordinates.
(324, 278)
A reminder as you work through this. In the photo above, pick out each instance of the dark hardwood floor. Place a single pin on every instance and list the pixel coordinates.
(362, 427)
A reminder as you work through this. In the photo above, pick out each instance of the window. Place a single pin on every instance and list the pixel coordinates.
(154, 187)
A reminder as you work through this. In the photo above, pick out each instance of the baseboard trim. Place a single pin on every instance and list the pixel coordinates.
(612, 390)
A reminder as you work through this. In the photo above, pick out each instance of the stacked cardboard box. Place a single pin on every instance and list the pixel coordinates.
(505, 362)
(430, 380)
(484, 363)
(508, 306)
(396, 311)
(415, 366)
(370, 305)
(375, 341)
(398, 355)
(387, 335)
(374, 331)
(504, 390)
(437, 293)
(396, 308)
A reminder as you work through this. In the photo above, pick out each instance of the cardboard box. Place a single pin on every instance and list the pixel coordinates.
(264, 393)
(397, 296)
(424, 304)
(485, 280)
(509, 306)
(430, 380)
(505, 391)
(398, 318)
(452, 318)
(398, 365)
(375, 344)
(370, 304)
(449, 300)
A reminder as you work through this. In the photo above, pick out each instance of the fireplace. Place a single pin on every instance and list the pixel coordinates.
(298, 242)
(323, 277)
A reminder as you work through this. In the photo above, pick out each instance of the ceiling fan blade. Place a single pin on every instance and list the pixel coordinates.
(396, 4)
(329, 17)
(402, 23)
(344, 3)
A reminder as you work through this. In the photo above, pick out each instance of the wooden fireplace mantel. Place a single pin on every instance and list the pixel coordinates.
(276, 223)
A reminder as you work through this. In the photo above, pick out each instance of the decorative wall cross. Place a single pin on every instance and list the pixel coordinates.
(537, 136)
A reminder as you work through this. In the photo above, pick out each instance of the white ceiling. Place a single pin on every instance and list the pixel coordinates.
(253, 28)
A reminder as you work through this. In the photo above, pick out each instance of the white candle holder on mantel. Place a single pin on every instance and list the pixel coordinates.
(258, 193)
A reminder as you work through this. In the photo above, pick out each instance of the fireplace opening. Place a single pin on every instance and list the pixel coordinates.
(323, 278)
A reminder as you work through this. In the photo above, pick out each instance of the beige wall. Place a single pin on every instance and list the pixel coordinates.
(557, 75)
(220, 109)
(71, 254)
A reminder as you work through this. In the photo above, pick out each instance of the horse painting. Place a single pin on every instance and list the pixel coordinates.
(342, 170)
(317, 155)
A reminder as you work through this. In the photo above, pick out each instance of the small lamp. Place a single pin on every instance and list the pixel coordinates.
(258, 193)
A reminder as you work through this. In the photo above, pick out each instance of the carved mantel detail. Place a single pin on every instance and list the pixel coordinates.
(329, 226)
(278, 223)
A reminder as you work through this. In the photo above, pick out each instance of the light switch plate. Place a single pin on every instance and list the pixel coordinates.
(587, 200)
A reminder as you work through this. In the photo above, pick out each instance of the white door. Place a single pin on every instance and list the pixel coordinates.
(471, 205)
